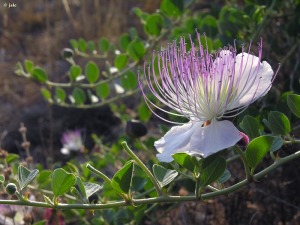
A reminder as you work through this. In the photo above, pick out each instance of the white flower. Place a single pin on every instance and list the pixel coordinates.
(204, 88)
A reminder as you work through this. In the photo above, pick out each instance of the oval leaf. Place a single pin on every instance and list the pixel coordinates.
(91, 72)
(60, 95)
(251, 127)
(46, 93)
(103, 45)
(163, 176)
(121, 181)
(293, 102)
(121, 61)
(79, 96)
(136, 50)
(102, 90)
(172, 7)
(62, 181)
(154, 24)
(75, 71)
(279, 123)
(184, 160)
(39, 74)
(129, 81)
(257, 149)
(212, 168)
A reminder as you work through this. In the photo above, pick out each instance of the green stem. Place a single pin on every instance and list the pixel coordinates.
(99, 173)
(246, 166)
(160, 199)
(142, 165)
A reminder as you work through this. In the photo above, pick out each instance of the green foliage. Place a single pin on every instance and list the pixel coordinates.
(122, 180)
(185, 160)
(251, 126)
(121, 61)
(257, 149)
(124, 41)
(212, 168)
(29, 66)
(39, 74)
(154, 24)
(46, 93)
(91, 72)
(102, 90)
(75, 71)
(293, 102)
(104, 45)
(144, 112)
(172, 8)
(129, 80)
(82, 45)
(78, 95)
(60, 95)
(136, 50)
(25, 176)
(279, 123)
(62, 181)
(164, 176)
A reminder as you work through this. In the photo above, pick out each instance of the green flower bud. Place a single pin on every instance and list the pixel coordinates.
(11, 188)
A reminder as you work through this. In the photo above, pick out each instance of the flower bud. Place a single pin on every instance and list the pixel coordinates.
(11, 188)
(135, 129)
(245, 139)
(67, 53)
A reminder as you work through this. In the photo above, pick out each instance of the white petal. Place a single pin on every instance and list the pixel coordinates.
(253, 82)
(177, 139)
(214, 137)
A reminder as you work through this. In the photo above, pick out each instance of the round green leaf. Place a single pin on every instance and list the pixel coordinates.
(209, 25)
(277, 144)
(124, 41)
(184, 160)
(154, 24)
(82, 45)
(279, 123)
(91, 46)
(103, 45)
(78, 95)
(91, 72)
(251, 127)
(144, 112)
(212, 168)
(164, 176)
(74, 43)
(172, 7)
(28, 66)
(102, 90)
(257, 149)
(46, 93)
(60, 94)
(62, 181)
(129, 80)
(136, 50)
(293, 102)
(121, 61)
(39, 74)
(75, 71)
